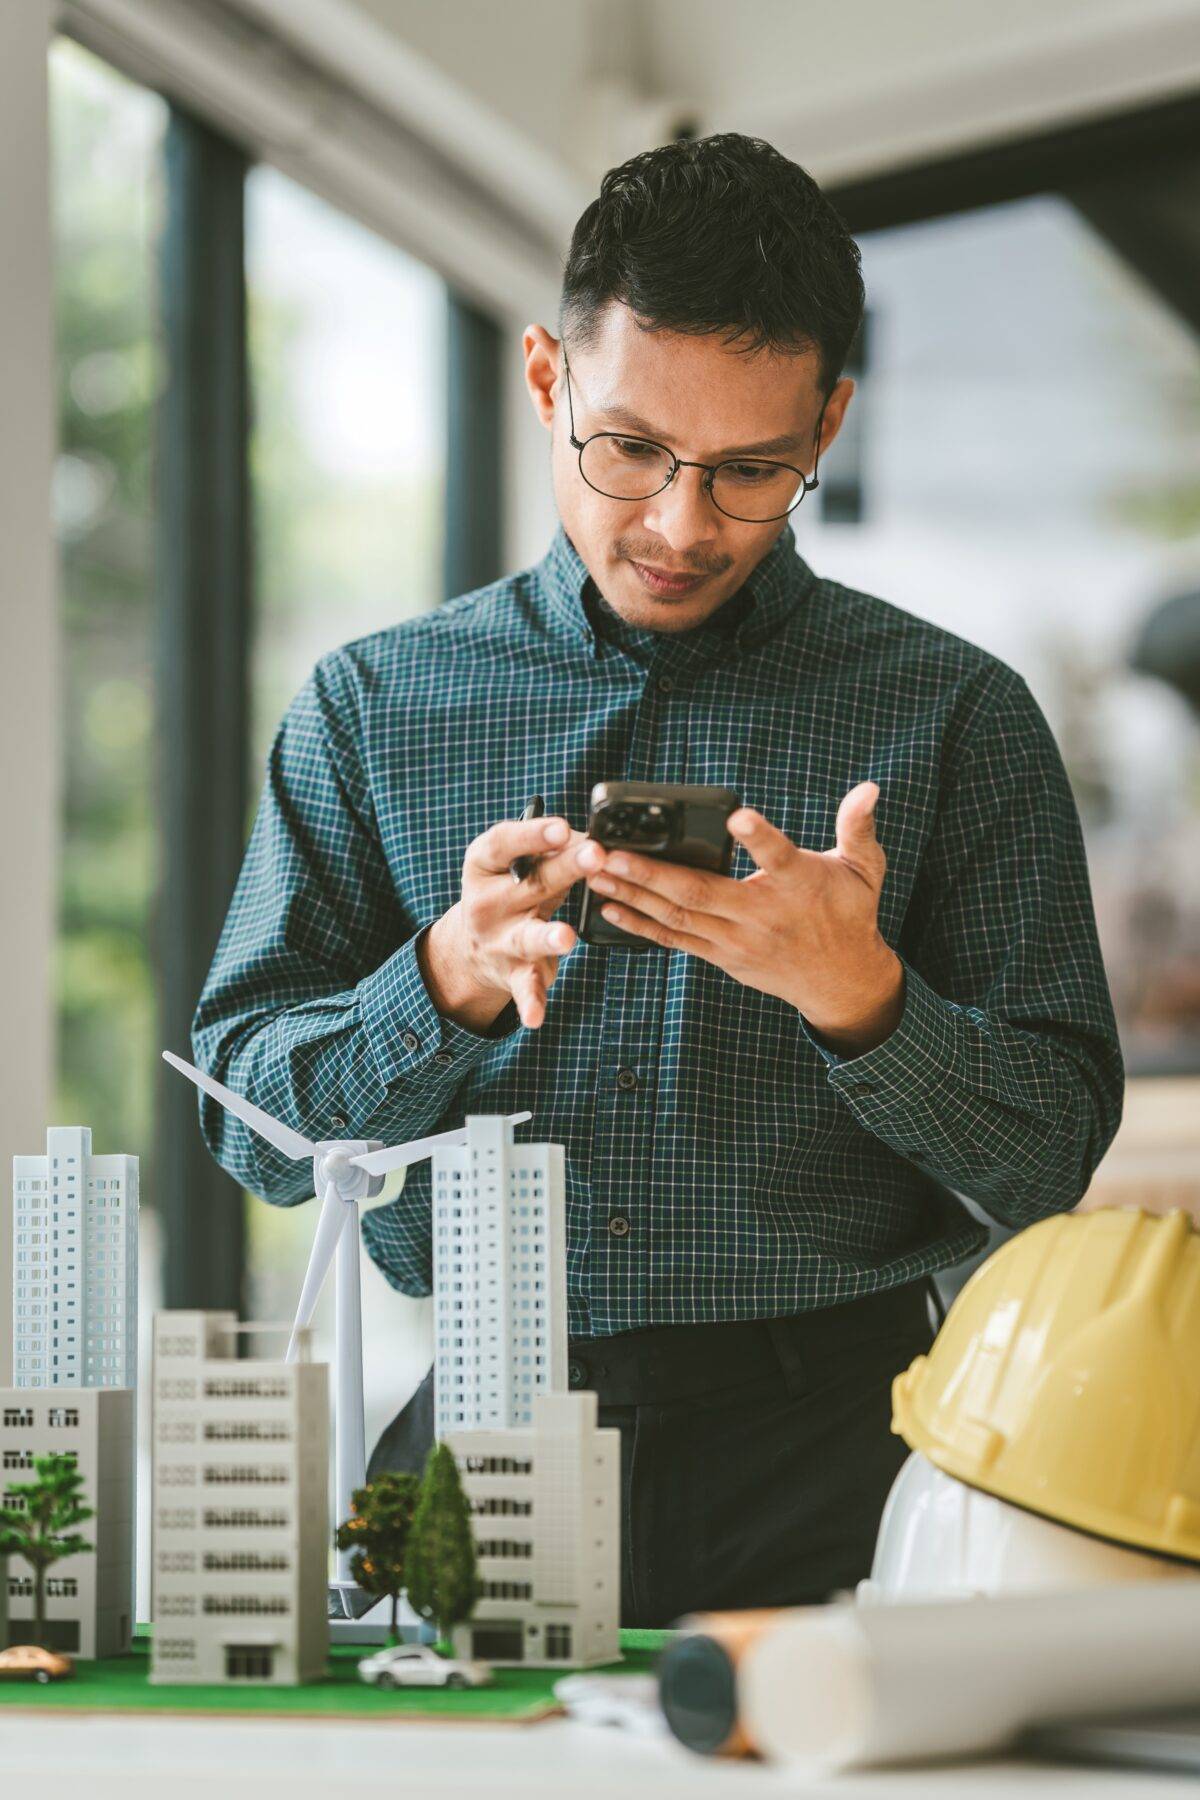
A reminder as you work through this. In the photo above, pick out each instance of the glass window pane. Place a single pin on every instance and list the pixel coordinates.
(107, 199)
(347, 347)
(1029, 461)
(348, 355)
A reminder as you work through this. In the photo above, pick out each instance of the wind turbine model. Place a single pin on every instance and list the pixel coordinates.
(345, 1171)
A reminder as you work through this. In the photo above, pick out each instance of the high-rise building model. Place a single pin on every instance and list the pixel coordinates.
(499, 1263)
(240, 1507)
(75, 1234)
(541, 1479)
(544, 1502)
(89, 1596)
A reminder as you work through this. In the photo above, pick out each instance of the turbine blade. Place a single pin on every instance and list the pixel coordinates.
(334, 1213)
(382, 1162)
(274, 1130)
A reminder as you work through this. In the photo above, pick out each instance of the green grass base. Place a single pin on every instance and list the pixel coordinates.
(121, 1684)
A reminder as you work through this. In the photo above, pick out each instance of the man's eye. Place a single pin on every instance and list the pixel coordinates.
(752, 474)
(634, 449)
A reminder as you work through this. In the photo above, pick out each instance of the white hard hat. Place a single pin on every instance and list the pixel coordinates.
(940, 1539)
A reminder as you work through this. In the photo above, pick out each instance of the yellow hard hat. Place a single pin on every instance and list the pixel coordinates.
(1066, 1378)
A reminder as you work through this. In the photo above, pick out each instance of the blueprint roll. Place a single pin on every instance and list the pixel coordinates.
(843, 1686)
(698, 1678)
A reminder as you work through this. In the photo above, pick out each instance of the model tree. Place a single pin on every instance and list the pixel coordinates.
(42, 1526)
(443, 1576)
(378, 1531)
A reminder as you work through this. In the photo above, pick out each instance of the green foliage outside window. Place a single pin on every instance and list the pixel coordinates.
(107, 200)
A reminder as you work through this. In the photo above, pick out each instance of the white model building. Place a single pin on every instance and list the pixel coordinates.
(75, 1235)
(240, 1505)
(542, 1481)
(499, 1277)
(89, 1597)
(545, 1505)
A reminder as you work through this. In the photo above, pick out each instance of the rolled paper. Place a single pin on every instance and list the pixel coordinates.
(697, 1678)
(837, 1687)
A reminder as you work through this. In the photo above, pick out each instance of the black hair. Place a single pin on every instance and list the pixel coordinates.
(719, 235)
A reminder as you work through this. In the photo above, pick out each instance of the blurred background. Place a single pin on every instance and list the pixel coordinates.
(265, 268)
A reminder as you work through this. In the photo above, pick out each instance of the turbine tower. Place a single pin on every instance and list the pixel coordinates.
(345, 1171)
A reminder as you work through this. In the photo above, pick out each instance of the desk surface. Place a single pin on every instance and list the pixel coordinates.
(110, 1758)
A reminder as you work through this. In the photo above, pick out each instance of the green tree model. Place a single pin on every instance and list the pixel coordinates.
(443, 1577)
(41, 1528)
(377, 1531)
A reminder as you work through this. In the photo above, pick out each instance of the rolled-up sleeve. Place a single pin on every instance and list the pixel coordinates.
(315, 1008)
(1004, 1077)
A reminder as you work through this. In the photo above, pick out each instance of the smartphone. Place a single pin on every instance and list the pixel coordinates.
(675, 823)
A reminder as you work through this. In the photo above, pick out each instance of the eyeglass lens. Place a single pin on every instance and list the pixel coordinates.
(635, 469)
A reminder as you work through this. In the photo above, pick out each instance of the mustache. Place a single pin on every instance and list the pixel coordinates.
(656, 558)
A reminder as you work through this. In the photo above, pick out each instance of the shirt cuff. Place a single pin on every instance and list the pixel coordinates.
(406, 1033)
(899, 1088)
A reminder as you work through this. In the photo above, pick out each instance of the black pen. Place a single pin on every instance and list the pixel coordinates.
(522, 866)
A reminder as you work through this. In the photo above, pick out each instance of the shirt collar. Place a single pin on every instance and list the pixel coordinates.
(767, 599)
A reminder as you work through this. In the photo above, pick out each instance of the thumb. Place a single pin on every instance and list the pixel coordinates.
(855, 828)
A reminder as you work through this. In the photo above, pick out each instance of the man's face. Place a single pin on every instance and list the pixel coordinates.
(706, 401)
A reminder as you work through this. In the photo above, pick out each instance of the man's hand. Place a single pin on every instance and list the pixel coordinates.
(803, 926)
(495, 943)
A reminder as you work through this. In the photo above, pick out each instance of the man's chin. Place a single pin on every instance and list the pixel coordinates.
(639, 604)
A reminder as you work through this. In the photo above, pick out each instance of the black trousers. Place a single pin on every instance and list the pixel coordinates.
(755, 1456)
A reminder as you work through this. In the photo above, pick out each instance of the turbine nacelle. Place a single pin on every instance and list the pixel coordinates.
(334, 1161)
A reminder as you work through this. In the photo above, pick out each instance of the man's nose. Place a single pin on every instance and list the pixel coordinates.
(682, 514)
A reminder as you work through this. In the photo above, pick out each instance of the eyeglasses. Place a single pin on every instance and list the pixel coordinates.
(746, 488)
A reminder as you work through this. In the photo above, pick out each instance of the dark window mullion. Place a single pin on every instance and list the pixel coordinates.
(204, 609)
(474, 450)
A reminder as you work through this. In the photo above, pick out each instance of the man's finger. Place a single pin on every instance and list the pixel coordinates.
(855, 829)
(532, 937)
(553, 876)
(710, 927)
(641, 925)
(694, 890)
(502, 843)
(771, 849)
(529, 992)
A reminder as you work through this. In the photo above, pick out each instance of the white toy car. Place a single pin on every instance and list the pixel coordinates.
(419, 1665)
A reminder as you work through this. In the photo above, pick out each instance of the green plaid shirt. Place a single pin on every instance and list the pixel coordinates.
(721, 1163)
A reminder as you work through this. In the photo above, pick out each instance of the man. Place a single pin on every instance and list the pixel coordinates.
(896, 993)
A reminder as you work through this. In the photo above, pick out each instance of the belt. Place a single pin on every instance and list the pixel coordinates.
(677, 1362)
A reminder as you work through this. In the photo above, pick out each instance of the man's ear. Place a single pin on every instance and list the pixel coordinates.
(543, 359)
(835, 411)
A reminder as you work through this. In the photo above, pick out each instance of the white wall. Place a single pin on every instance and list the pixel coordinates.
(28, 615)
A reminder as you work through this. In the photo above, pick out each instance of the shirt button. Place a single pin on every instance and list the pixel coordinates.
(618, 1225)
(337, 1123)
(443, 1057)
(410, 1040)
(626, 1078)
(665, 684)
(576, 1374)
(864, 1087)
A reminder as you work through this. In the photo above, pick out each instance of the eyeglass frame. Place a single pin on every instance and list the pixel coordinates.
(807, 483)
